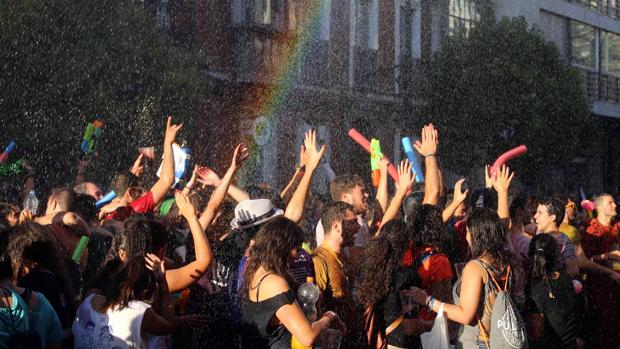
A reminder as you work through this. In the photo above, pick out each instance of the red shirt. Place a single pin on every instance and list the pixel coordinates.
(434, 268)
(599, 238)
(143, 204)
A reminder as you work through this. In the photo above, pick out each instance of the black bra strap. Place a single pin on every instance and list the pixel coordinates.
(258, 285)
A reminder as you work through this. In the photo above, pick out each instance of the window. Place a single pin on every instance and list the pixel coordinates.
(583, 45)
(367, 24)
(462, 16)
(263, 11)
(610, 53)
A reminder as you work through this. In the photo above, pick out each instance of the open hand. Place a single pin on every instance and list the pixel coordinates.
(430, 140)
(459, 195)
(406, 176)
(171, 131)
(186, 208)
(137, 167)
(488, 182)
(311, 153)
(206, 176)
(239, 156)
(154, 264)
(501, 181)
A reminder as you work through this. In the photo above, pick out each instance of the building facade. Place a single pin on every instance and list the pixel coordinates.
(357, 68)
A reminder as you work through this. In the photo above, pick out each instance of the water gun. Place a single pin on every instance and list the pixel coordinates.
(91, 134)
(417, 169)
(504, 158)
(79, 249)
(7, 151)
(375, 156)
(361, 140)
(107, 198)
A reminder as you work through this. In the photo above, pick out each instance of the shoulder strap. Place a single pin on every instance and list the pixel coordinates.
(257, 287)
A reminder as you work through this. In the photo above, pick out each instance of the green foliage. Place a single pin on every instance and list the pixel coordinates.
(64, 61)
(504, 78)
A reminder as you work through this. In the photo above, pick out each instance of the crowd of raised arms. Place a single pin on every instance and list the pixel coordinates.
(214, 265)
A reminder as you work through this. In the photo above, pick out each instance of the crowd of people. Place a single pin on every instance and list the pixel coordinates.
(208, 264)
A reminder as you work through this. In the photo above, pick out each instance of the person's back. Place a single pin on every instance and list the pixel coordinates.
(43, 319)
(109, 329)
(13, 317)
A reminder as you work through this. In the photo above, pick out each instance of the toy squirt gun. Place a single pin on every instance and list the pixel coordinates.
(375, 157)
(92, 133)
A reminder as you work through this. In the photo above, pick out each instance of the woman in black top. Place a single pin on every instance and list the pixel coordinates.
(551, 302)
(384, 278)
(270, 312)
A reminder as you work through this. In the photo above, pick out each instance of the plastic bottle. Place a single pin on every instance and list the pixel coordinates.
(307, 295)
(31, 203)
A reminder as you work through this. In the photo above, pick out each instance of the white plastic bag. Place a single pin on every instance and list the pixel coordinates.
(437, 338)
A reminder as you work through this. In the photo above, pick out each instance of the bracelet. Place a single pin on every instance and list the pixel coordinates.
(430, 303)
(428, 155)
(189, 186)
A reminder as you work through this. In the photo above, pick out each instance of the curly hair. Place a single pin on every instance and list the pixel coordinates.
(272, 249)
(21, 236)
(488, 235)
(427, 228)
(383, 255)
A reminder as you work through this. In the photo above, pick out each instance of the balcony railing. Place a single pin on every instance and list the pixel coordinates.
(602, 87)
(604, 7)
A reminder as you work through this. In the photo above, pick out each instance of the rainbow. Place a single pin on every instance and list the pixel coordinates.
(285, 69)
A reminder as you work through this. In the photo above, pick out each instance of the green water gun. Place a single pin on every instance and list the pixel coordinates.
(375, 156)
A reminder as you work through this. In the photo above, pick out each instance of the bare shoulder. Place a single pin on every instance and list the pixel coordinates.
(474, 270)
(272, 286)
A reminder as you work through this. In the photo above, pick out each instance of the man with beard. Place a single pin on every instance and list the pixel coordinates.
(333, 271)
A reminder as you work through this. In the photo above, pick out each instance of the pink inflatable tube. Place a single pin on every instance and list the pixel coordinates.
(504, 158)
(361, 140)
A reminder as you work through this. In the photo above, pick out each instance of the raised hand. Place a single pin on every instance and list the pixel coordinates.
(206, 176)
(501, 181)
(186, 208)
(171, 131)
(310, 152)
(137, 167)
(406, 176)
(156, 265)
(384, 163)
(430, 140)
(459, 195)
(239, 156)
(488, 182)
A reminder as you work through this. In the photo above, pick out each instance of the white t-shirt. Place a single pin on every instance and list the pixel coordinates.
(116, 329)
(361, 238)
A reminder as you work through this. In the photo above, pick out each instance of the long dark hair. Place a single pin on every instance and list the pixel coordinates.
(134, 282)
(543, 253)
(488, 236)
(272, 248)
(383, 256)
(427, 227)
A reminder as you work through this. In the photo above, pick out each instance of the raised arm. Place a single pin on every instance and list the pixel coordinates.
(218, 196)
(181, 278)
(160, 319)
(295, 208)
(405, 181)
(166, 179)
(428, 149)
(382, 189)
(286, 193)
(501, 184)
(458, 198)
(192, 181)
(207, 176)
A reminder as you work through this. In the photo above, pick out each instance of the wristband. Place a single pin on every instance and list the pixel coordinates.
(189, 186)
(428, 155)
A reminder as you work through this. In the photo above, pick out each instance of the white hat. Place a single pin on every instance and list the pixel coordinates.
(250, 213)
